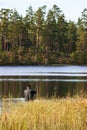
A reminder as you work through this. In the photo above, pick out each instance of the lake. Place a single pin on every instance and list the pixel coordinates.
(49, 81)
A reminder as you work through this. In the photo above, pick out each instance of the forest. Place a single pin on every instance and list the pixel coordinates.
(42, 38)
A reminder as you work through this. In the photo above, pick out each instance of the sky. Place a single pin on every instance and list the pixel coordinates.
(71, 8)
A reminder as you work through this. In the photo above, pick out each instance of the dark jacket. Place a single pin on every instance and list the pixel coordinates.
(29, 94)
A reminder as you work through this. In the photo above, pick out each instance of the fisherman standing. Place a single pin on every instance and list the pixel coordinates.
(29, 93)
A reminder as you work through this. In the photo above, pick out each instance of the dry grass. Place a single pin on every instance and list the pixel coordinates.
(60, 114)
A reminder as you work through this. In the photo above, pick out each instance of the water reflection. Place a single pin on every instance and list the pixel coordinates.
(44, 80)
(43, 70)
(46, 86)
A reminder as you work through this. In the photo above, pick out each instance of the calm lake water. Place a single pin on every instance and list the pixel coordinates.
(59, 81)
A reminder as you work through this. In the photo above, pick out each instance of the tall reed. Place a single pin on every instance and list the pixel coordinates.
(60, 114)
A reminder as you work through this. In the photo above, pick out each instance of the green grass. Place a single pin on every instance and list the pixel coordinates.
(55, 114)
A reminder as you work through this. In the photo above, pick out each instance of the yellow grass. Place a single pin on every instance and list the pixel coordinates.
(60, 114)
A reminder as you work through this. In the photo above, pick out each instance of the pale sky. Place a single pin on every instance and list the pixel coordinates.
(71, 8)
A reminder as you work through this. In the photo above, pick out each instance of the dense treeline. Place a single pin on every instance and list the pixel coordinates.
(42, 38)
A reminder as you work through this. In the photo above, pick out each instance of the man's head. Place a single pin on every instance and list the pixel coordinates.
(28, 86)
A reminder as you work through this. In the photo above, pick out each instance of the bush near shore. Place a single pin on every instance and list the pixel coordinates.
(55, 114)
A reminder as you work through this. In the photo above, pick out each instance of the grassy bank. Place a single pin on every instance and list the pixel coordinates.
(61, 114)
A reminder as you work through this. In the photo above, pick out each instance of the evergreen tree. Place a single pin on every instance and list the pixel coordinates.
(72, 37)
(4, 23)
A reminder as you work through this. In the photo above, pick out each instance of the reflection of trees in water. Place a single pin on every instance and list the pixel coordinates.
(63, 89)
(44, 88)
(37, 88)
(81, 89)
(10, 89)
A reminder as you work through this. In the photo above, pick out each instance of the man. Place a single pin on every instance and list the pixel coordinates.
(29, 93)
